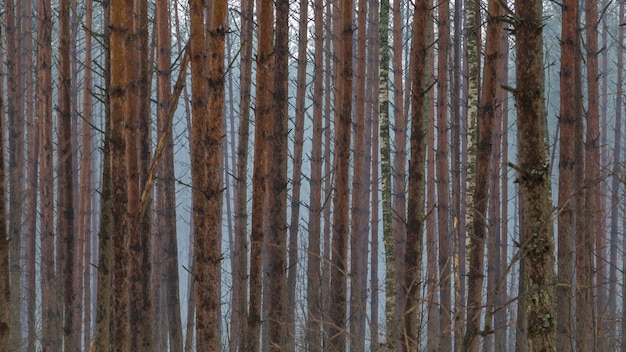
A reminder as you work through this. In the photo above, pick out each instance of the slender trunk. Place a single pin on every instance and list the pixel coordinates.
(341, 230)
(207, 66)
(391, 261)
(373, 79)
(15, 162)
(358, 227)
(263, 111)
(65, 177)
(399, 165)
(536, 236)
(432, 310)
(592, 208)
(86, 174)
(413, 256)
(241, 194)
(570, 111)
(443, 197)
(166, 196)
(5, 288)
(296, 179)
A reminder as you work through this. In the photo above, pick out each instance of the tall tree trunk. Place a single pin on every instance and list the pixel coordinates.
(399, 166)
(413, 256)
(296, 179)
(30, 248)
(373, 83)
(5, 282)
(432, 327)
(536, 236)
(570, 111)
(65, 177)
(207, 66)
(359, 228)
(617, 169)
(343, 122)
(592, 208)
(263, 111)
(456, 198)
(15, 162)
(85, 186)
(443, 186)
(277, 186)
(166, 192)
(314, 291)
(474, 290)
(121, 30)
(391, 260)
(241, 193)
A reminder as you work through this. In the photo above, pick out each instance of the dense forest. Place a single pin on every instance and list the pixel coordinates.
(312, 175)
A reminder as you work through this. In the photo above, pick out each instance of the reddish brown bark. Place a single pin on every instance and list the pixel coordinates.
(413, 256)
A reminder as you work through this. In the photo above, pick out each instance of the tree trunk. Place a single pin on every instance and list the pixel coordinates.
(314, 292)
(391, 261)
(432, 310)
(277, 186)
(413, 256)
(65, 176)
(263, 111)
(15, 162)
(85, 186)
(570, 111)
(296, 179)
(5, 288)
(359, 226)
(373, 104)
(592, 207)
(536, 236)
(207, 67)
(343, 122)
(443, 197)
(166, 192)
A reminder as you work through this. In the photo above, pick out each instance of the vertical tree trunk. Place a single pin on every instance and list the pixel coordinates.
(413, 256)
(207, 68)
(391, 260)
(166, 192)
(399, 166)
(570, 111)
(5, 288)
(536, 236)
(343, 121)
(277, 185)
(15, 162)
(296, 179)
(314, 290)
(358, 227)
(373, 83)
(455, 199)
(31, 218)
(241, 193)
(432, 326)
(592, 207)
(65, 176)
(120, 52)
(443, 186)
(617, 170)
(474, 290)
(85, 186)
(263, 111)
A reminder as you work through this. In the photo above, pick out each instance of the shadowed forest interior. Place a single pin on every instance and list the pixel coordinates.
(312, 175)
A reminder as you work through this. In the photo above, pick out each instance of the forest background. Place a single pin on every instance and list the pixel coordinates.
(312, 175)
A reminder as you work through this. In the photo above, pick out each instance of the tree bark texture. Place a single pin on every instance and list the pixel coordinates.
(536, 236)
(341, 224)
(415, 215)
